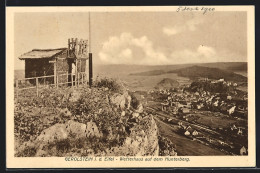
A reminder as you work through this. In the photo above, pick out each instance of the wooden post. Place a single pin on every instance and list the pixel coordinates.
(78, 79)
(44, 79)
(37, 86)
(67, 76)
(68, 52)
(17, 88)
(90, 70)
(80, 66)
(76, 47)
(71, 76)
(76, 73)
(82, 81)
(55, 73)
(57, 85)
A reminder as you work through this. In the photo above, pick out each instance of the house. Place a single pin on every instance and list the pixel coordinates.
(229, 97)
(56, 62)
(195, 133)
(199, 106)
(197, 93)
(180, 123)
(231, 110)
(240, 132)
(216, 103)
(185, 110)
(221, 142)
(187, 133)
(233, 127)
(243, 150)
(165, 105)
(189, 127)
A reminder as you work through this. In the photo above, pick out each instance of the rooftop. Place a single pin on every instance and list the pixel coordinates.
(41, 53)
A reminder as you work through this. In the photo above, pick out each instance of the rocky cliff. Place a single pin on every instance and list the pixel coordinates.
(92, 122)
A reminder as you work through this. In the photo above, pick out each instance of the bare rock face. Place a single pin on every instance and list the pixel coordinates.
(128, 100)
(92, 130)
(122, 101)
(118, 100)
(60, 132)
(143, 141)
(76, 129)
(52, 134)
(140, 108)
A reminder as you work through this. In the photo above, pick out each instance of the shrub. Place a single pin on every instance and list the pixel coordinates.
(109, 83)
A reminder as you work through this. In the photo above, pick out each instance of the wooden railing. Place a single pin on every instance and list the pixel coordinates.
(67, 79)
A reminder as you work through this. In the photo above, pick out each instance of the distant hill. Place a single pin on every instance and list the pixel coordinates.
(149, 73)
(239, 67)
(207, 72)
(167, 83)
(144, 70)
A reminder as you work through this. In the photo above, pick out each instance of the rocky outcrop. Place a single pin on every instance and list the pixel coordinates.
(142, 141)
(134, 134)
(121, 100)
(60, 132)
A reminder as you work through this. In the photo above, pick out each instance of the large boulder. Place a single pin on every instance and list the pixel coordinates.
(121, 100)
(52, 134)
(92, 130)
(76, 129)
(61, 132)
(118, 100)
(143, 141)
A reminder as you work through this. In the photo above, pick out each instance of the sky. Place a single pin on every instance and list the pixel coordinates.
(143, 38)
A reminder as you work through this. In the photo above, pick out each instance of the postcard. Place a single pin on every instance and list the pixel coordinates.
(130, 87)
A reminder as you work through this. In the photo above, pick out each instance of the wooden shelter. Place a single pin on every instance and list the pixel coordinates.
(57, 62)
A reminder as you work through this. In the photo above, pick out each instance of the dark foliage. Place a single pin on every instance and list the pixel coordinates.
(207, 72)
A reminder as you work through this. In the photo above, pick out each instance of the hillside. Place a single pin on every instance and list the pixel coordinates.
(105, 120)
(240, 67)
(207, 72)
(149, 73)
(130, 68)
(167, 83)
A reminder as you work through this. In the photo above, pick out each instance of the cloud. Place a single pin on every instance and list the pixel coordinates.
(201, 55)
(190, 25)
(170, 30)
(206, 51)
(125, 49)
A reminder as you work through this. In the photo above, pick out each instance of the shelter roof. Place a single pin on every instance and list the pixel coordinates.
(41, 53)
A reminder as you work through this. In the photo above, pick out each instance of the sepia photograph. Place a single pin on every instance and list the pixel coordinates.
(127, 84)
